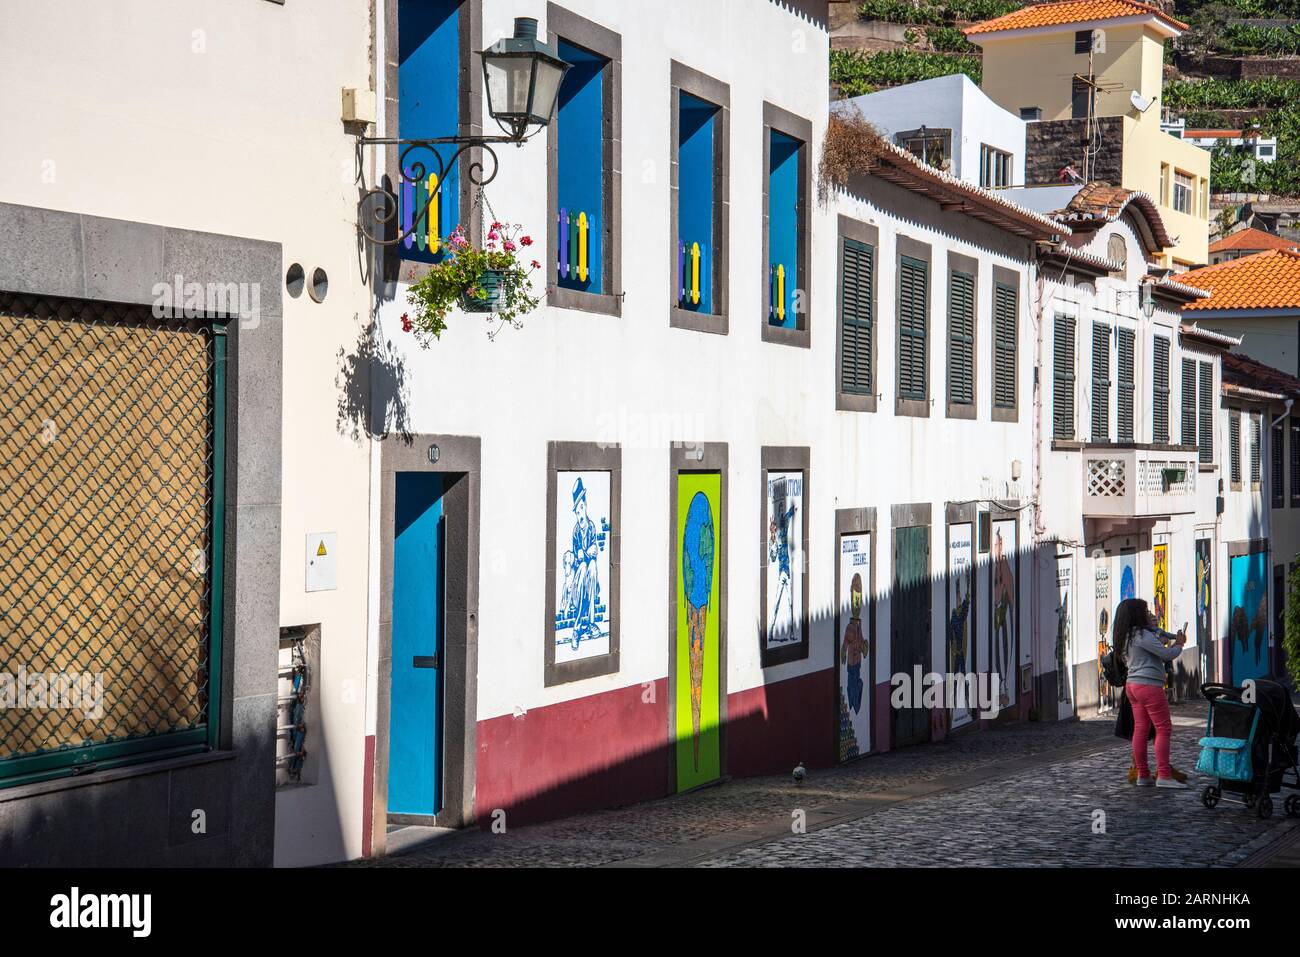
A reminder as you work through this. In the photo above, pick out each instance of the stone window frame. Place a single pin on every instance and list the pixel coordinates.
(859, 521)
(913, 249)
(580, 457)
(775, 119)
(783, 459)
(703, 458)
(562, 24)
(970, 266)
(470, 104)
(1002, 276)
(853, 229)
(685, 79)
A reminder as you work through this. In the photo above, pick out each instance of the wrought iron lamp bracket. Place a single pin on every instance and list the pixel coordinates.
(379, 205)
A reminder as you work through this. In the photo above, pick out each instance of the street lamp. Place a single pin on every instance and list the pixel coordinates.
(522, 76)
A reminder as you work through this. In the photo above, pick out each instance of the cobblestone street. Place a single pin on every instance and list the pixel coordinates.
(1023, 795)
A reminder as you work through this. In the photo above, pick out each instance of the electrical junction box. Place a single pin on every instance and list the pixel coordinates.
(358, 105)
(322, 561)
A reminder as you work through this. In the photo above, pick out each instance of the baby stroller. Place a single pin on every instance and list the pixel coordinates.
(1250, 748)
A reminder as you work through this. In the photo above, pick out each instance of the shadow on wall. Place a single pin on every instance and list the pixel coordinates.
(372, 387)
(613, 749)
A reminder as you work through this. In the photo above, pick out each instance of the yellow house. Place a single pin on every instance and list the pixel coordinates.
(1087, 74)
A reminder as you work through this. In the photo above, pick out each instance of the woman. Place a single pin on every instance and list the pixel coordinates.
(1141, 648)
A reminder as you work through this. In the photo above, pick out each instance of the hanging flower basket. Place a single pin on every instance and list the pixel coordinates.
(488, 294)
(494, 281)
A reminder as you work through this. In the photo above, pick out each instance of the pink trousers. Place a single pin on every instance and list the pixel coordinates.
(1150, 707)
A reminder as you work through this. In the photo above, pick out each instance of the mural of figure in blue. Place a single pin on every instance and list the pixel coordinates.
(1248, 625)
(697, 584)
(778, 550)
(585, 594)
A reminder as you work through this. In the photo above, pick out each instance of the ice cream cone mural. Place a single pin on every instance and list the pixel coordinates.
(698, 650)
(697, 585)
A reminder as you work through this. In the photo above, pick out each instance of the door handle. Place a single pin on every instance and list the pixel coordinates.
(425, 661)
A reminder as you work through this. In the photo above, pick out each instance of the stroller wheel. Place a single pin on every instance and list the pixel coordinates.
(1210, 796)
(1292, 805)
(1264, 808)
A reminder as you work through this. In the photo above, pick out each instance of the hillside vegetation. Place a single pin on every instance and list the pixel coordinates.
(933, 45)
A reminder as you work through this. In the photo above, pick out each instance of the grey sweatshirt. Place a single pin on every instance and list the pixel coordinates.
(1146, 656)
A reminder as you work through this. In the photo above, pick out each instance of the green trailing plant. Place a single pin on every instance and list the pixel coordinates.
(495, 281)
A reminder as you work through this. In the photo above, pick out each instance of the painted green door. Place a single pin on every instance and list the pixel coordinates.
(910, 627)
(698, 648)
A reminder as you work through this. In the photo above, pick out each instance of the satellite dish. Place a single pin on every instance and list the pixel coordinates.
(1140, 102)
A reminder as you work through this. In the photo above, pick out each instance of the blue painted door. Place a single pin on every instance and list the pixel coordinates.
(415, 703)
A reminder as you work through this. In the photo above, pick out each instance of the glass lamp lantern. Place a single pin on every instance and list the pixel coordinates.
(522, 76)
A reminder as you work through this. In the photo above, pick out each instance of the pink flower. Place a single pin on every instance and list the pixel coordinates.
(494, 235)
(526, 241)
(536, 264)
(407, 325)
(509, 246)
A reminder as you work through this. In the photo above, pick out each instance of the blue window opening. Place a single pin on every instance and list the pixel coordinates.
(696, 209)
(783, 229)
(428, 85)
(580, 167)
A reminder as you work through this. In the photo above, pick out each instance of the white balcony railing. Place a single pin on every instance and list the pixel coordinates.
(1137, 482)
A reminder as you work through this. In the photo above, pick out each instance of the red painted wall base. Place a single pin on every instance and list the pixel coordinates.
(770, 729)
(601, 751)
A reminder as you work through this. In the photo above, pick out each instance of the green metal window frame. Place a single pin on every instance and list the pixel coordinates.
(67, 762)
(1006, 312)
(1160, 389)
(858, 308)
(913, 327)
(1188, 423)
(1063, 377)
(1234, 447)
(1100, 383)
(961, 337)
(1205, 414)
(1127, 371)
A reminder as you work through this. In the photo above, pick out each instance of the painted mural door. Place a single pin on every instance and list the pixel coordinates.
(853, 658)
(698, 650)
(909, 645)
(1204, 604)
(1106, 695)
(415, 708)
(1004, 633)
(959, 642)
(1064, 636)
(1248, 623)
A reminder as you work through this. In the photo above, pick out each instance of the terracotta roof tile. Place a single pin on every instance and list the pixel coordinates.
(1253, 239)
(1241, 370)
(1097, 203)
(1267, 280)
(1071, 11)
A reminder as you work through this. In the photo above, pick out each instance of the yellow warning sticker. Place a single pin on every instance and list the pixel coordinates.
(320, 552)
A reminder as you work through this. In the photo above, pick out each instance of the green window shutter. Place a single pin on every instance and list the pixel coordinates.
(1189, 403)
(913, 320)
(1100, 383)
(1063, 377)
(1160, 390)
(1278, 475)
(961, 338)
(1006, 314)
(1254, 449)
(1234, 446)
(1295, 462)
(1124, 400)
(1205, 434)
(858, 307)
